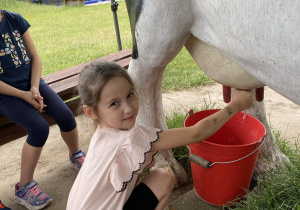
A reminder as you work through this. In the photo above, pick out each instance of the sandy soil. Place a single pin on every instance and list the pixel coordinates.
(56, 177)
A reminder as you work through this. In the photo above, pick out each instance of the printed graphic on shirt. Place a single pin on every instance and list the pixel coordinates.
(21, 45)
(10, 49)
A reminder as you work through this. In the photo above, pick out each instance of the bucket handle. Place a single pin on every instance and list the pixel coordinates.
(207, 164)
(200, 161)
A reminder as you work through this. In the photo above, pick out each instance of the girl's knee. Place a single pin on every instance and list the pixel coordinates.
(64, 118)
(66, 121)
(161, 183)
(38, 134)
(166, 177)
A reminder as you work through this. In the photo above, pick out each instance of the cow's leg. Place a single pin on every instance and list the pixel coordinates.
(149, 86)
(158, 42)
(270, 156)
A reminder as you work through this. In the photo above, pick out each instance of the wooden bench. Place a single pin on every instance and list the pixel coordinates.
(64, 83)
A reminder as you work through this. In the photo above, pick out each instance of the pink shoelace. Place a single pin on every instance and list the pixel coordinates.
(80, 160)
(35, 190)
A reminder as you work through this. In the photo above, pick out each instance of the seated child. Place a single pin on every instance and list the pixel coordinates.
(24, 95)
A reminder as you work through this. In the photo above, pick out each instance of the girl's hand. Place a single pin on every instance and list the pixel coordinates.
(34, 99)
(38, 98)
(242, 99)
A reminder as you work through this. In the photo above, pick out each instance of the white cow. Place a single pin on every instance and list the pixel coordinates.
(242, 44)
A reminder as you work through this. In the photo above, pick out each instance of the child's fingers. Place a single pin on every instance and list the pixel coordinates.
(40, 105)
(243, 98)
(38, 97)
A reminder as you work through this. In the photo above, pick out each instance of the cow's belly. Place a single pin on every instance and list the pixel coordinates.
(219, 67)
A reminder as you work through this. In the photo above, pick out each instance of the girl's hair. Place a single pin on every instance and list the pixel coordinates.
(94, 77)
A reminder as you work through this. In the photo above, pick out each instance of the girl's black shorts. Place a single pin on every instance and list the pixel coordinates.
(141, 198)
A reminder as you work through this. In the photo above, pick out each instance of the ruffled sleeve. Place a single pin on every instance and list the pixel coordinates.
(133, 155)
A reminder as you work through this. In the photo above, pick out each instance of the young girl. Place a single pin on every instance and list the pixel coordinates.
(120, 149)
(23, 97)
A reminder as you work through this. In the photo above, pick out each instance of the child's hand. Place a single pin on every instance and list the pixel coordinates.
(28, 97)
(242, 99)
(36, 95)
(35, 101)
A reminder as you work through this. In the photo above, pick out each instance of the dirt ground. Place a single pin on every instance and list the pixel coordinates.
(56, 177)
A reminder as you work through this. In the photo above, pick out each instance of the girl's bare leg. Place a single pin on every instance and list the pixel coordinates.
(31, 155)
(29, 159)
(161, 182)
(71, 140)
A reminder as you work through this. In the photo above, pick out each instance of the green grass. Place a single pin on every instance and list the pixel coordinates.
(280, 189)
(70, 35)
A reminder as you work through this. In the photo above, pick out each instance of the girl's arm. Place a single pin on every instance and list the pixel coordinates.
(25, 95)
(36, 69)
(177, 137)
(36, 63)
(10, 90)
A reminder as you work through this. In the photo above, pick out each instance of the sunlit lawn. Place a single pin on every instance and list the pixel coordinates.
(70, 35)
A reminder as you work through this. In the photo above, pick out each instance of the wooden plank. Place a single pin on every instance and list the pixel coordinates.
(74, 70)
(66, 88)
(74, 106)
(11, 132)
(4, 120)
(124, 63)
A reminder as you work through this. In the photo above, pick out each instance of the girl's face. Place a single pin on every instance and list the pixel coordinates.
(118, 105)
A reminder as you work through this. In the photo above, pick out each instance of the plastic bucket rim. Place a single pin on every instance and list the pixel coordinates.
(236, 145)
(258, 144)
(224, 145)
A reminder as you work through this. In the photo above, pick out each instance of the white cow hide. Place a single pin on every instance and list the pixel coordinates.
(242, 44)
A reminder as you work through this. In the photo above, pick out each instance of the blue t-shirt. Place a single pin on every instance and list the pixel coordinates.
(14, 58)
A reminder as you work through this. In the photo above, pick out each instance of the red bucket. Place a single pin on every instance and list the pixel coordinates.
(223, 165)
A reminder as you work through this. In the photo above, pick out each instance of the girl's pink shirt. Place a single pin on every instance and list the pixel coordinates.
(113, 162)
